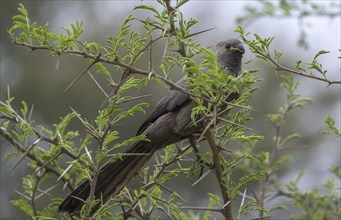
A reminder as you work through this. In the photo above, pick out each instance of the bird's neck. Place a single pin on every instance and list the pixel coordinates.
(234, 68)
(233, 64)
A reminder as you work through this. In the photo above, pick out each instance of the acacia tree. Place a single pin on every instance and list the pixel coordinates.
(86, 151)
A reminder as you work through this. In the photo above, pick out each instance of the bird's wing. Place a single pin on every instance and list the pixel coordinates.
(170, 102)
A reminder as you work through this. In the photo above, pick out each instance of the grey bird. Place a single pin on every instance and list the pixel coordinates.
(169, 122)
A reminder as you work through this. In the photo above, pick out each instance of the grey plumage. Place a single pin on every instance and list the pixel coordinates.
(168, 123)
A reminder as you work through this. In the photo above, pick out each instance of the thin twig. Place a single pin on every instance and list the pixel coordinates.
(49, 161)
(279, 67)
(231, 122)
(200, 32)
(132, 99)
(148, 186)
(131, 69)
(82, 73)
(202, 177)
(202, 208)
(98, 85)
(34, 157)
(23, 195)
(45, 192)
(24, 154)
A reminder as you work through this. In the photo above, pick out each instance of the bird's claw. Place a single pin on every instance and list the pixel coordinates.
(202, 164)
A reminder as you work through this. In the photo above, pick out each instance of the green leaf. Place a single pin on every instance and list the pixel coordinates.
(333, 130)
(150, 8)
(102, 69)
(11, 155)
(131, 141)
(248, 208)
(321, 52)
(111, 136)
(24, 206)
(249, 178)
(24, 108)
(214, 197)
(279, 207)
(22, 9)
(130, 112)
(244, 138)
(180, 3)
(289, 137)
(277, 55)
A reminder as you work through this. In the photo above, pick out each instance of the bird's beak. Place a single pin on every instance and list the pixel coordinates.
(240, 48)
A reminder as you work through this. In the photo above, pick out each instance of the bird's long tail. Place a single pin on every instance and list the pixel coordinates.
(111, 179)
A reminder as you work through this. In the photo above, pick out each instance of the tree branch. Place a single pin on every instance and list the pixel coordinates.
(22, 149)
(129, 68)
(227, 210)
(282, 68)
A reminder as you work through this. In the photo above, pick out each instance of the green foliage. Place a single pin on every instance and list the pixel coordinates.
(261, 48)
(333, 130)
(216, 85)
(48, 161)
(309, 202)
(30, 33)
(293, 101)
(87, 150)
(248, 208)
(24, 206)
(31, 193)
(321, 203)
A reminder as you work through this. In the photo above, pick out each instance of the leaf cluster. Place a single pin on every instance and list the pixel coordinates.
(261, 47)
(207, 84)
(318, 203)
(46, 149)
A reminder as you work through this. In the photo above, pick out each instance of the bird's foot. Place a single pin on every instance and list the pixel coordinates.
(202, 163)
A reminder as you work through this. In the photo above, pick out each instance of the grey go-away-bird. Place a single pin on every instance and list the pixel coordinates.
(169, 122)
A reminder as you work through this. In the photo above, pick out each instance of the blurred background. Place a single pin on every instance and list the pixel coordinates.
(32, 77)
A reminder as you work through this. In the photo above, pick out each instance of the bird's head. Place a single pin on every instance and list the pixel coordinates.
(230, 53)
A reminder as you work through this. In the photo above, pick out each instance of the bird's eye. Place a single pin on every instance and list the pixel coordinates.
(228, 46)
